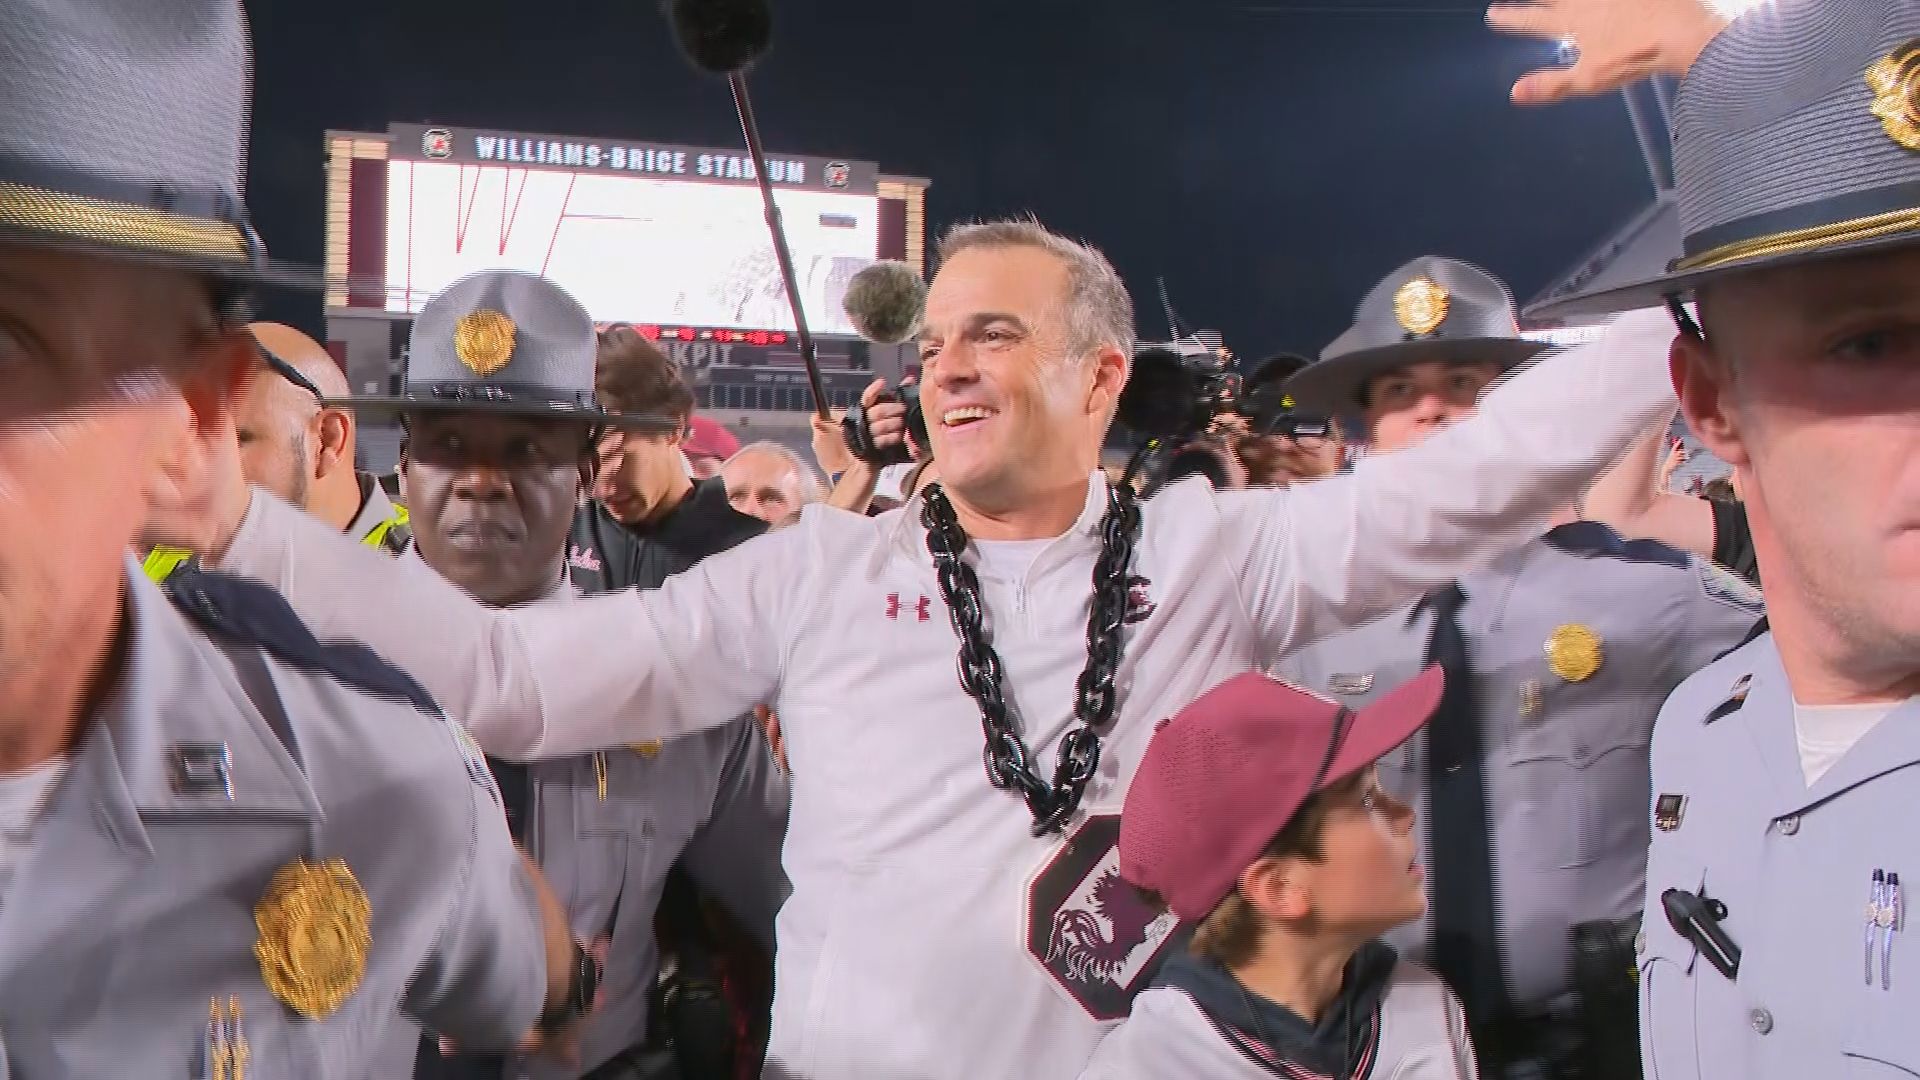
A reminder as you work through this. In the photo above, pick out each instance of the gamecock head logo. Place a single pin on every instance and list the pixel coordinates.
(1093, 933)
(1140, 603)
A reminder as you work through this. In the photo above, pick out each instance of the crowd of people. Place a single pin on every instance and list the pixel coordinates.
(592, 744)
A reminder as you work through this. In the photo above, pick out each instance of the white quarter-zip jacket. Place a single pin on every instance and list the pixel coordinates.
(930, 934)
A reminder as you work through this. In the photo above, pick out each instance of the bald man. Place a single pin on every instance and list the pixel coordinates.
(296, 444)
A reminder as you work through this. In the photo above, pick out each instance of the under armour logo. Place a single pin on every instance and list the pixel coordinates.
(923, 608)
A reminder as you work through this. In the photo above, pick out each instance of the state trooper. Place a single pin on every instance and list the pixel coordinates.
(1530, 780)
(502, 424)
(1785, 775)
(297, 441)
(921, 888)
(199, 870)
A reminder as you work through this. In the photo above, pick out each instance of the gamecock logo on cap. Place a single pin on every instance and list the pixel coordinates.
(1094, 934)
(437, 143)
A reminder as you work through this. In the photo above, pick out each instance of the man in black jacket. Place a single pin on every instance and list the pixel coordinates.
(649, 518)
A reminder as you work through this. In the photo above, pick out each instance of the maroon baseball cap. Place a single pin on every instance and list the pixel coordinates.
(706, 438)
(1224, 776)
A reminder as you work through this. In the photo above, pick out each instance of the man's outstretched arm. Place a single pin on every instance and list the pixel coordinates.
(546, 680)
(1317, 558)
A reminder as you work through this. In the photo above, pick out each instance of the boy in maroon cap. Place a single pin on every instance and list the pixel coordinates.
(1257, 816)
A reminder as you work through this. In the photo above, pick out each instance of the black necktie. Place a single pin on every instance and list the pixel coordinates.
(1466, 949)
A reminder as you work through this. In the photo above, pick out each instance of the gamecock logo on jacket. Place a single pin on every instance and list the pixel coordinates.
(1094, 934)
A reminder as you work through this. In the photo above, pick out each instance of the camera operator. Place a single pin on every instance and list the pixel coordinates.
(1278, 458)
(1202, 418)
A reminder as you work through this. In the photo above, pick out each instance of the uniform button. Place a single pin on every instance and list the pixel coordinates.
(1640, 943)
(1788, 825)
(1762, 1021)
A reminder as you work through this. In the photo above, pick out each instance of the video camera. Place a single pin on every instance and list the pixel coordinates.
(860, 437)
(1175, 396)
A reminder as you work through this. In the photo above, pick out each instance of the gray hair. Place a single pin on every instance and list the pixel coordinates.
(811, 489)
(1099, 312)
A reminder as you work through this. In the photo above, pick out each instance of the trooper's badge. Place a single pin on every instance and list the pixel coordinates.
(483, 340)
(1573, 652)
(1093, 934)
(1895, 82)
(315, 931)
(1420, 306)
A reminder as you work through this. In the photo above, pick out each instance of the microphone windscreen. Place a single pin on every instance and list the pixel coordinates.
(721, 36)
(885, 302)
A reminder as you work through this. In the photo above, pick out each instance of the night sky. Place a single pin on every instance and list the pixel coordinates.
(1270, 160)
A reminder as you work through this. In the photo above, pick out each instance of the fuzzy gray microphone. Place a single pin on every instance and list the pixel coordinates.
(886, 301)
(721, 36)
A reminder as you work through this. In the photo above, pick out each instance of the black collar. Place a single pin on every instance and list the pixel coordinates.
(1342, 1044)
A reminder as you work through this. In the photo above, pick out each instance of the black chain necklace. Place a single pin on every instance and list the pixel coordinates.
(1008, 760)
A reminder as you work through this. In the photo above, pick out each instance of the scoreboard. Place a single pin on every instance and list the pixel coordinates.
(672, 239)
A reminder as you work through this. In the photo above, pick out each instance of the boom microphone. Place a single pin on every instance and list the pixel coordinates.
(721, 36)
(886, 301)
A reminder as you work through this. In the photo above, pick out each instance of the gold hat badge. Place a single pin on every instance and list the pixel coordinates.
(1895, 82)
(1420, 306)
(483, 340)
(1573, 652)
(315, 931)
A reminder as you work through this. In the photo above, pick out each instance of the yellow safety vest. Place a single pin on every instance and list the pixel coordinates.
(161, 562)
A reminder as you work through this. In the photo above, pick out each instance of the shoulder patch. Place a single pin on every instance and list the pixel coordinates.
(1593, 540)
(1723, 586)
(252, 614)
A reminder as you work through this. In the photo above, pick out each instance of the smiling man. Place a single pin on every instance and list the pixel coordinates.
(941, 923)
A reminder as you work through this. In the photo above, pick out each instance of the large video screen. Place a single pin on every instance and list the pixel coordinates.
(629, 248)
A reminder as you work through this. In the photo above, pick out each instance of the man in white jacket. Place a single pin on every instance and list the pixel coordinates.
(939, 927)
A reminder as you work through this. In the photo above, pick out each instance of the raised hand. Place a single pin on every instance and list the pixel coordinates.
(1618, 42)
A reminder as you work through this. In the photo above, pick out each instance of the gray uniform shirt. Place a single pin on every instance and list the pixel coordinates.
(210, 768)
(1734, 820)
(715, 798)
(1566, 762)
